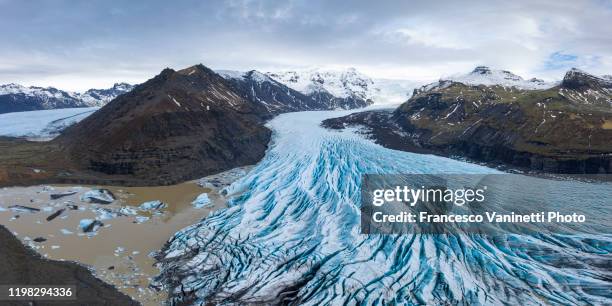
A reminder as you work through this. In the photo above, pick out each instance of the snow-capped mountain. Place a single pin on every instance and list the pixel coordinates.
(277, 94)
(584, 88)
(18, 98)
(99, 97)
(483, 75)
(268, 94)
(346, 84)
(341, 84)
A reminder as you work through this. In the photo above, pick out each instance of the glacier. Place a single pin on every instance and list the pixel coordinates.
(290, 235)
(41, 125)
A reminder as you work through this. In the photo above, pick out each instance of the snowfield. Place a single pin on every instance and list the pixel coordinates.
(41, 125)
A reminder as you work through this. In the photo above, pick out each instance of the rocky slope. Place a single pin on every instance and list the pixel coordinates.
(17, 98)
(177, 126)
(565, 128)
(23, 266)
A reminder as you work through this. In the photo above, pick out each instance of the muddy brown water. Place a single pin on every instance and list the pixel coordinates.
(118, 253)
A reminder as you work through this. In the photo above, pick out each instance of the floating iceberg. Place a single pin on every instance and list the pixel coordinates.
(105, 214)
(141, 219)
(127, 211)
(99, 196)
(202, 201)
(89, 225)
(152, 205)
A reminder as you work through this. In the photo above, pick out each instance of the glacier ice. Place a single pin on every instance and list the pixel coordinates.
(89, 225)
(42, 124)
(152, 205)
(291, 236)
(99, 196)
(201, 201)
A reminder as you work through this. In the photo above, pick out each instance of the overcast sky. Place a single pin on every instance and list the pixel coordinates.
(82, 44)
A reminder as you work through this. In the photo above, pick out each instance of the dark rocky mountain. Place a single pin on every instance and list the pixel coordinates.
(582, 87)
(177, 126)
(270, 95)
(17, 98)
(563, 129)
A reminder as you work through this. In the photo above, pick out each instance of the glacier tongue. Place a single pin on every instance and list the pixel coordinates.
(291, 236)
(41, 124)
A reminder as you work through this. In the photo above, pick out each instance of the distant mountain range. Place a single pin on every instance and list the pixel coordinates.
(273, 96)
(337, 89)
(277, 92)
(17, 98)
(176, 126)
(495, 116)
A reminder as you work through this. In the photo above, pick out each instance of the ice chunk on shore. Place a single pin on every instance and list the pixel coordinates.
(99, 196)
(152, 205)
(202, 201)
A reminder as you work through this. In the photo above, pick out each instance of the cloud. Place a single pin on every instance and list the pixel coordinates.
(82, 44)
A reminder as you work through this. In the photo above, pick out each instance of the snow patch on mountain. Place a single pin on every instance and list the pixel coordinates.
(483, 75)
(243, 75)
(99, 97)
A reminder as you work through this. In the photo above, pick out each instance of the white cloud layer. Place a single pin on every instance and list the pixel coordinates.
(82, 44)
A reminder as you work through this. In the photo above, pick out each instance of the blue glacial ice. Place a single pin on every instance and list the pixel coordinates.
(201, 201)
(291, 236)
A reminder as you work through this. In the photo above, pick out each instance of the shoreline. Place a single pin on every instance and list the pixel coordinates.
(121, 251)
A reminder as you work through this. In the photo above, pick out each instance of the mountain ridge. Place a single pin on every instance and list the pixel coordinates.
(16, 98)
(178, 125)
(562, 129)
